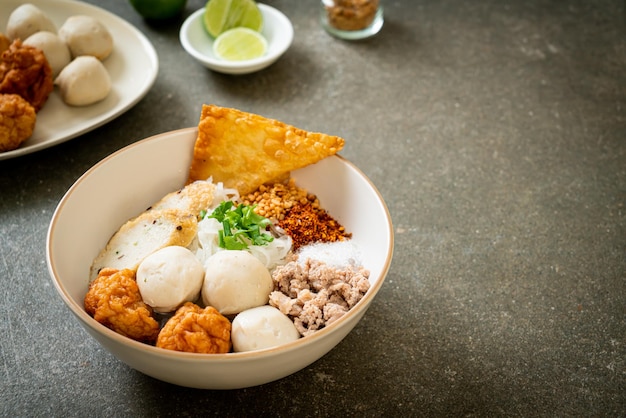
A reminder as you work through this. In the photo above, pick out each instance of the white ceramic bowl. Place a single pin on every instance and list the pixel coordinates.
(277, 30)
(82, 225)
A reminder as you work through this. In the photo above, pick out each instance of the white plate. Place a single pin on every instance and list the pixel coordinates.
(133, 66)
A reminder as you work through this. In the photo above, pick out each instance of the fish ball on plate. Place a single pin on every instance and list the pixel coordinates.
(262, 327)
(83, 81)
(56, 51)
(170, 277)
(235, 280)
(26, 20)
(85, 35)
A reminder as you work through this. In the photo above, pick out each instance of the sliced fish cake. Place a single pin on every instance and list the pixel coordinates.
(143, 235)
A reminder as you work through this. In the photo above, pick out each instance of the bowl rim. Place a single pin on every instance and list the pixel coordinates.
(286, 33)
(81, 314)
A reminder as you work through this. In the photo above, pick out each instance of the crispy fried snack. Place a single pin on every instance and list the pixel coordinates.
(244, 150)
(17, 121)
(4, 42)
(114, 300)
(24, 70)
(196, 330)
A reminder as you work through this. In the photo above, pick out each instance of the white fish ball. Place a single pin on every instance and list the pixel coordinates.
(83, 81)
(26, 20)
(235, 281)
(170, 277)
(56, 51)
(262, 327)
(85, 35)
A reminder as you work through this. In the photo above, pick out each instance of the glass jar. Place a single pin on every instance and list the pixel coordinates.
(352, 19)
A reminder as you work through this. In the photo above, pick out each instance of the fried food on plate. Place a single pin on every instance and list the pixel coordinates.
(196, 330)
(4, 43)
(143, 235)
(243, 150)
(114, 300)
(24, 70)
(17, 121)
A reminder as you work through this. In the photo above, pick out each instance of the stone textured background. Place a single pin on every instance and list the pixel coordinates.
(495, 131)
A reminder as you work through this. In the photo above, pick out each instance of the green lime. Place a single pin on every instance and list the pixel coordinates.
(222, 15)
(158, 9)
(240, 44)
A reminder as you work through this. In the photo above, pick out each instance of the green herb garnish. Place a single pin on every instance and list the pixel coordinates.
(241, 226)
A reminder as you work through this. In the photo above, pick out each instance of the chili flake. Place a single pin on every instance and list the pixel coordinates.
(307, 224)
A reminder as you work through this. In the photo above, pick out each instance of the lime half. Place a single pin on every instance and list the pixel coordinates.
(222, 15)
(240, 44)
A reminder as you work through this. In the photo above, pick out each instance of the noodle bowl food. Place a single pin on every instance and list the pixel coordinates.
(243, 356)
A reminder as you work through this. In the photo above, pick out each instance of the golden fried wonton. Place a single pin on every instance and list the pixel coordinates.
(244, 150)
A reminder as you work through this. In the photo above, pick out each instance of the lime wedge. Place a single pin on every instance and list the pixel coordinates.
(222, 15)
(239, 44)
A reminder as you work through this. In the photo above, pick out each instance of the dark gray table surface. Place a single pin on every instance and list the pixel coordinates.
(495, 131)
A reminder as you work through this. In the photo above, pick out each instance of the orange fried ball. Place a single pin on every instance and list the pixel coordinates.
(114, 300)
(196, 330)
(17, 121)
(24, 70)
(4, 42)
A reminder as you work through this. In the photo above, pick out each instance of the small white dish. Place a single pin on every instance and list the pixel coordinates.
(277, 30)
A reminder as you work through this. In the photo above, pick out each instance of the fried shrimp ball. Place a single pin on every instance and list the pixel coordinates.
(114, 300)
(4, 42)
(17, 121)
(196, 330)
(24, 70)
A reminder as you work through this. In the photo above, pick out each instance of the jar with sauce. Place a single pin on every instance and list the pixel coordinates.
(352, 19)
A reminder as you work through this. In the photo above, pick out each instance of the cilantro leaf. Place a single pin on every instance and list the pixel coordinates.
(241, 226)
